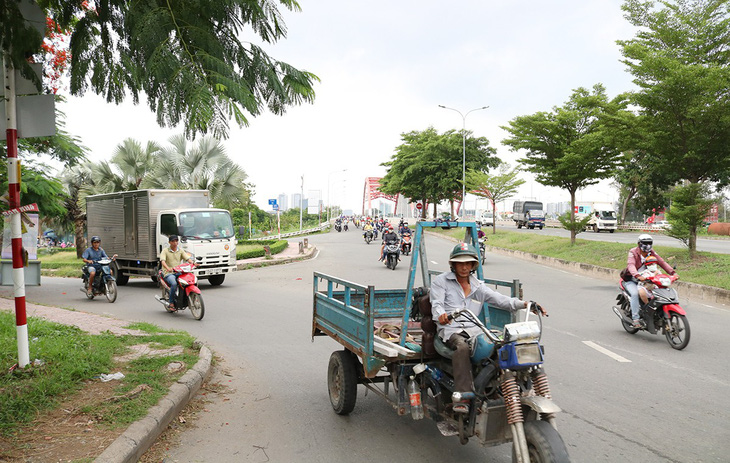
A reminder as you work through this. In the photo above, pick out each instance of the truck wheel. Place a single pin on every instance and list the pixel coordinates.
(342, 381)
(122, 278)
(519, 225)
(544, 444)
(595, 229)
(216, 280)
(611, 231)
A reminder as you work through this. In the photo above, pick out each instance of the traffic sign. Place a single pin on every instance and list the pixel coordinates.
(272, 202)
(419, 206)
(275, 206)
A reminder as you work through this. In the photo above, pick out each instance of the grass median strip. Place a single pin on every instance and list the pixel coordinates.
(707, 268)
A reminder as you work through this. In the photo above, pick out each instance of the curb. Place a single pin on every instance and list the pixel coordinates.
(140, 435)
(685, 289)
(308, 253)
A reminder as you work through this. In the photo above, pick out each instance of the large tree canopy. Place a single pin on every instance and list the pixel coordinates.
(427, 166)
(188, 57)
(569, 147)
(680, 60)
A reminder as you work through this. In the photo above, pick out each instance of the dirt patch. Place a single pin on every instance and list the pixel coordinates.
(66, 433)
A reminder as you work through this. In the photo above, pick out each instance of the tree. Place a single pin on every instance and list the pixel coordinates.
(129, 166)
(427, 166)
(568, 147)
(494, 187)
(77, 181)
(185, 56)
(204, 165)
(680, 62)
(690, 206)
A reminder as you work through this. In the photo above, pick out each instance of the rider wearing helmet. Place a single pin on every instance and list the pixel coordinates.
(389, 237)
(92, 256)
(460, 289)
(636, 264)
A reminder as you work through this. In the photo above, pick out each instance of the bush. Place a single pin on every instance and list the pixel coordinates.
(256, 248)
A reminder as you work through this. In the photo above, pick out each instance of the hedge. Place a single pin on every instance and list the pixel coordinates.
(276, 247)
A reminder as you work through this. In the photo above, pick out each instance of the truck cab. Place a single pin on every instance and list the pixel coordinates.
(206, 233)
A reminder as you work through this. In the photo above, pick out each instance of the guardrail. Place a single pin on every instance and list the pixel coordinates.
(323, 226)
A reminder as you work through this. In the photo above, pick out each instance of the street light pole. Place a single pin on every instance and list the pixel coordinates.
(329, 206)
(463, 147)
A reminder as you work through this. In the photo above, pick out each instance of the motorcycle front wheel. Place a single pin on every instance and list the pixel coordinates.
(678, 333)
(196, 305)
(544, 444)
(111, 291)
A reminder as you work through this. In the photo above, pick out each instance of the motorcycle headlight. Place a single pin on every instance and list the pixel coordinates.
(182, 282)
(514, 356)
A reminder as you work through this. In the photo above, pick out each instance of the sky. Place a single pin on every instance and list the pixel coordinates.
(385, 67)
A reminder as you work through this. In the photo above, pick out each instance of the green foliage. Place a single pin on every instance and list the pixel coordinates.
(495, 187)
(680, 62)
(186, 57)
(571, 147)
(574, 226)
(248, 249)
(427, 166)
(690, 205)
(37, 187)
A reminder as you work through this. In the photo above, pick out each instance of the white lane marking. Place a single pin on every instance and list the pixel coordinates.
(434, 262)
(605, 351)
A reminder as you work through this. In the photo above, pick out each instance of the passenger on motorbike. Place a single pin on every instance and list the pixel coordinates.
(456, 290)
(388, 237)
(92, 256)
(170, 258)
(635, 265)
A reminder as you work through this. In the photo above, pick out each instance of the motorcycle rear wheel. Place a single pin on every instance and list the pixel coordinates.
(626, 309)
(544, 444)
(678, 333)
(393, 260)
(196, 305)
(111, 291)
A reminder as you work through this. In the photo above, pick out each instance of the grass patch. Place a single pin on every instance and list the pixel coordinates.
(70, 358)
(60, 263)
(707, 268)
(250, 249)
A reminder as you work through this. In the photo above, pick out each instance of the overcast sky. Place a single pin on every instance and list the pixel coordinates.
(385, 66)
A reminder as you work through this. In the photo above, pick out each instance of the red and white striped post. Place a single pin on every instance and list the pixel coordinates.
(21, 322)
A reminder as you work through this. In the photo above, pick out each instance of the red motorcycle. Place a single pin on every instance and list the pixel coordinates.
(661, 312)
(188, 294)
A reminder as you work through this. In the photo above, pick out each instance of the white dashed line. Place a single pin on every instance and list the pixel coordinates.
(605, 351)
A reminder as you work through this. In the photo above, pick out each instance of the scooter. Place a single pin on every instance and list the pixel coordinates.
(188, 294)
(405, 245)
(661, 313)
(104, 282)
(482, 249)
(368, 235)
(392, 254)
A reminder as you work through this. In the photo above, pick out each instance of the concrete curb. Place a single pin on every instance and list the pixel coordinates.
(140, 435)
(691, 291)
(262, 262)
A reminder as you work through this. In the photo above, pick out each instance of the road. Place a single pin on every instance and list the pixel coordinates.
(719, 245)
(654, 405)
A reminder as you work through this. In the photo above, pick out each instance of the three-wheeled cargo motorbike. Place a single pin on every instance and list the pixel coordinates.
(391, 347)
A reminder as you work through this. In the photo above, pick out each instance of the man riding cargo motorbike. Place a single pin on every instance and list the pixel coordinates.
(460, 289)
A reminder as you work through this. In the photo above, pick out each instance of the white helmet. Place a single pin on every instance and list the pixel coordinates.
(645, 242)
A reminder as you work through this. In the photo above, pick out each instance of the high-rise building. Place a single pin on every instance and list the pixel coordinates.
(296, 199)
(283, 202)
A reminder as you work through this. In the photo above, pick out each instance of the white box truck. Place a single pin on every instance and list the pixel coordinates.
(603, 215)
(136, 226)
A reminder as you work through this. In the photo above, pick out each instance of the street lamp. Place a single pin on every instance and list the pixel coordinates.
(329, 206)
(463, 148)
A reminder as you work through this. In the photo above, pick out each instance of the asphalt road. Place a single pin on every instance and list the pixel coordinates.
(654, 405)
(719, 245)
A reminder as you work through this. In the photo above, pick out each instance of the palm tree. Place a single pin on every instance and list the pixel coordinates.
(204, 165)
(78, 183)
(128, 167)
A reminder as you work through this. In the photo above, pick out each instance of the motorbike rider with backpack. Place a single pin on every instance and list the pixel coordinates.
(635, 265)
(92, 256)
(460, 289)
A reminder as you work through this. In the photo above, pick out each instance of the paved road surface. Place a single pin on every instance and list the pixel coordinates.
(660, 405)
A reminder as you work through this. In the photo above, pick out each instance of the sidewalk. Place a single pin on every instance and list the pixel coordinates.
(139, 436)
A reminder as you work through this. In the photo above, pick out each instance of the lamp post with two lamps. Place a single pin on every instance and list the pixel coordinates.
(463, 147)
(329, 206)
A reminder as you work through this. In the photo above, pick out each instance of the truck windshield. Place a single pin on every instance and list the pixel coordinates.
(608, 215)
(206, 224)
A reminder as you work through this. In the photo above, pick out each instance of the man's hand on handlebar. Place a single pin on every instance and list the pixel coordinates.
(537, 309)
(445, 319)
